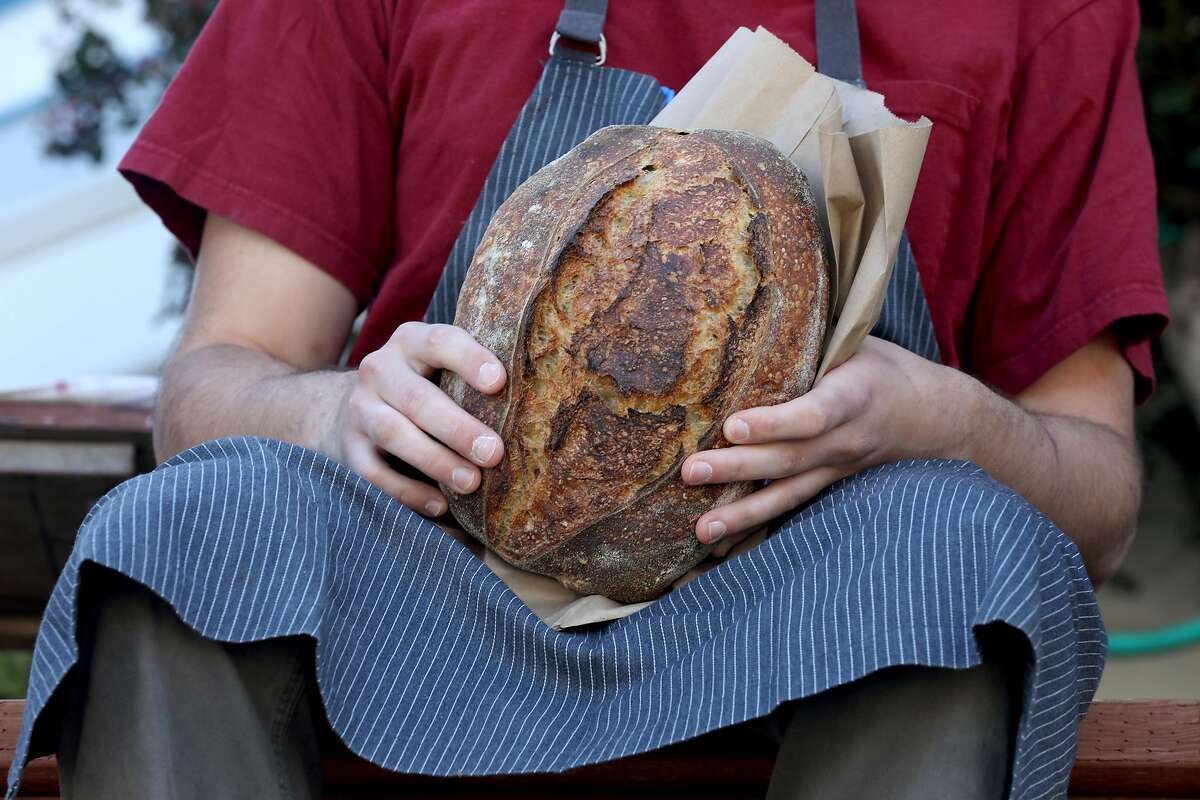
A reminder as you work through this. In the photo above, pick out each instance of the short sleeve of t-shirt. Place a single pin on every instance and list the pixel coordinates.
(279, 120)
(1071, 244)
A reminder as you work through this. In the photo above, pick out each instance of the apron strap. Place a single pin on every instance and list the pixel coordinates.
(905, 318)
(838, 52)
(582, 21)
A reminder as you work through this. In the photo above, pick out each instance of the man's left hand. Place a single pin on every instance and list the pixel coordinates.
(883, 404)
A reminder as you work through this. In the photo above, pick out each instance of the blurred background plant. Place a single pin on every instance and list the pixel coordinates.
(1169, 67)
(98, 89)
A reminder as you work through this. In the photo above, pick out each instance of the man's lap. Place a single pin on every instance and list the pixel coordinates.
(253, 539)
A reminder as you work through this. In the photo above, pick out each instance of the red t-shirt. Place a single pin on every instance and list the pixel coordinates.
(358, 134)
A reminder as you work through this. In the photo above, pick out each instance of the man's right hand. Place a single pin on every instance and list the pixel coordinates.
(258, 356)
(392, 406)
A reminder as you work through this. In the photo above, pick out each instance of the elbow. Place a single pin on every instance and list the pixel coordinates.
(1105, 565)
(184, 399)
(1122, 529)
(167, 436)
(169, 433)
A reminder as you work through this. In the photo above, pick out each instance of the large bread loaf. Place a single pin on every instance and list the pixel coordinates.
(638, 290)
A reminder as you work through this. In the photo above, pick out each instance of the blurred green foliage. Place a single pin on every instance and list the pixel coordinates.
(1168, 61)
(14, 673)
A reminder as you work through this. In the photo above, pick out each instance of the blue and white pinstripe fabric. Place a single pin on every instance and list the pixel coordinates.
(905, 317)
(428, 663)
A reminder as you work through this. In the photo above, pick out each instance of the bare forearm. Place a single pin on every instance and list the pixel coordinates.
(226, 390)
(1083, 475)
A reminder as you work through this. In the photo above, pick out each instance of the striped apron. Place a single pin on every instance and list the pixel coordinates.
(427, 663)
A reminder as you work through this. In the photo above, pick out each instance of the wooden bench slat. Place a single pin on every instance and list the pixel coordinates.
(56, 460)
(1147, 746)
(1127, 749)
(45, 457)
(70, 420)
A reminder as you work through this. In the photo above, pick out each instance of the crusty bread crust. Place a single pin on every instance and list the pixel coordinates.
(638, 290)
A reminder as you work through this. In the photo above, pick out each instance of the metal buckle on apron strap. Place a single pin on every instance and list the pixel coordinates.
(554, 37)
(581, 21)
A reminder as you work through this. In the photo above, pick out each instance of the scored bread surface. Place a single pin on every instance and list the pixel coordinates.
(638, 290)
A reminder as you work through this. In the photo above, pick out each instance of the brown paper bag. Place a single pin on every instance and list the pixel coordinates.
(861, 160)
(862, 163)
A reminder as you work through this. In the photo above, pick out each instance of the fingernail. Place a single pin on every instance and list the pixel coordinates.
(490, 373)
(716, 529)
(736, 430)
(462, 479)
(483, 448)
(434, 507)
(699, 472)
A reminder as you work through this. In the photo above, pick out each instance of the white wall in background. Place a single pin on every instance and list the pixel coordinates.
(83, 285)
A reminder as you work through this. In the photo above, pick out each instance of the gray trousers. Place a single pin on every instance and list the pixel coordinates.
(155, 710)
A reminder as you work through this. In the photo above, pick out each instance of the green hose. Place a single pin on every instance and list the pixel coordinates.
(1136, 643)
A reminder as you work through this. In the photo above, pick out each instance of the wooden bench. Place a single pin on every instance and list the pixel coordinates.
(1127, 749)
(56, 460)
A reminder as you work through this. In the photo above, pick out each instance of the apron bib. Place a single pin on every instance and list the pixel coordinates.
(427, 663)
(577, 96)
